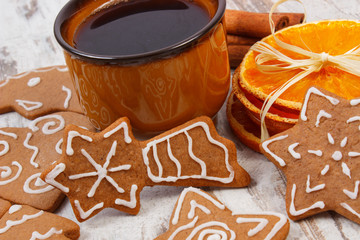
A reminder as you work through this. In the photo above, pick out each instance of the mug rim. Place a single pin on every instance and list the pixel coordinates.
(73, 6)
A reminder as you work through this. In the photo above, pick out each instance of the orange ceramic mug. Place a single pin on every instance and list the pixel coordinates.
(157, 90)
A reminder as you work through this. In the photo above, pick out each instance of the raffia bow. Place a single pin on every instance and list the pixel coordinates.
(348, 62)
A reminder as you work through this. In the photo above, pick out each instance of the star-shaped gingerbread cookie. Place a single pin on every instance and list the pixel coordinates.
(110, 168)
(199, 215)
(99, 170)
(320, 157)
(39, 92)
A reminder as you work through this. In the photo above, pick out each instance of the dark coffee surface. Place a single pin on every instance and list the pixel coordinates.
(140, 26)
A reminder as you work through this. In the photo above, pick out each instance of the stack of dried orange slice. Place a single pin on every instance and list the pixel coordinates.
(251, 86)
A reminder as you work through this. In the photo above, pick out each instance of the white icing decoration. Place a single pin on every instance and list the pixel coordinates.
(193, 157)
(330, 138)
(353, 119)
(175, 219)
(184, 227)
(354, 102)
(65, 69)
(13, 135)
(36, 235)
(316, 152)
(34, 148)
(57, 146)
(343, 142)
(174, 159)
(353, 154)
(157, 161)
(132, 202)
(56, 171)
(314, 90)
(14, 208)
(46, 128)
(347, 207)
(325, 170)
(8, 172)
(71, 135)
(265, 147)
(4, 82)
(39, 182)
(195, 205)
(101, 171)
(353, 195)
(68, 97)
(294, 212)
(122, 125)
(11, 223)
(277, 227)
(86, 214)
(33, 81)
(316, 188)
(27, 188)
(203, 175)
(252, 232)
(6, 147)
(213, 234)
(337, 156)
(346, 169)
(321, 114)
(33, 105)
(292, 152)
(210, 224)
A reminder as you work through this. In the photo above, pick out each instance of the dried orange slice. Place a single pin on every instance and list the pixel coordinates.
(244, 121)
(277, 119)
(247, 131)
(334, 37)
(251, 86)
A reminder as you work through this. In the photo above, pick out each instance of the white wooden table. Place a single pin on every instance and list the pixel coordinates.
(27, 42)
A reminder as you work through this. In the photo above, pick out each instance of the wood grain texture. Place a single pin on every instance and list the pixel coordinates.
(27, 42)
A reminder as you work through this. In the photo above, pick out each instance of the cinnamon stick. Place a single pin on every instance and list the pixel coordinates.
(251, 24)
(236, 54)
(295, 18)
(240, 40)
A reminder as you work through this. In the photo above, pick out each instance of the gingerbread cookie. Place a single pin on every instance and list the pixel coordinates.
(25, 222)
(193, 154)
(320, 157)
(39, 92)
(26, 152)
(4, 206)
(109, 169)
(198, 215)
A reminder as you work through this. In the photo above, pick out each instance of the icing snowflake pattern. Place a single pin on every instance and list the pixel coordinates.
(111, 175)
(199, 215)
(102, 171)
(321, 157)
